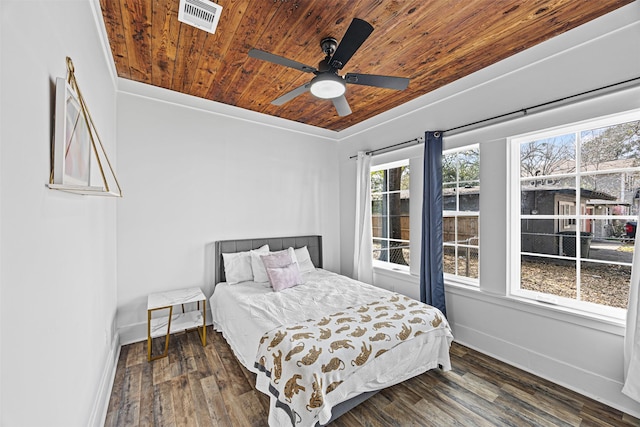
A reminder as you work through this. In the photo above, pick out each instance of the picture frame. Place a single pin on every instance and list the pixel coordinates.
(77, 151)
(72, 143)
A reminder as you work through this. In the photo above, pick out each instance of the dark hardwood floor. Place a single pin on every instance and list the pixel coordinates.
(207, 386)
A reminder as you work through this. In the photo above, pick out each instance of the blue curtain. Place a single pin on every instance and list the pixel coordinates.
(431, 270)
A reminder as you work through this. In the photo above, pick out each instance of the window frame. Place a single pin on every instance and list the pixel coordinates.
(456, 278)
(387, 265)
(569, 222)
(515, 217)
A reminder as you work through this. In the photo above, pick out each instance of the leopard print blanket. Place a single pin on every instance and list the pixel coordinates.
(307, 361)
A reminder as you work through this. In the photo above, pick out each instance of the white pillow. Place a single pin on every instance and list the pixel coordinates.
(282, 270)
(237, 266)
(259, 271)
(303, 259)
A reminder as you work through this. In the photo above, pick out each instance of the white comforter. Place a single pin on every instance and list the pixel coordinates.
(245, 312)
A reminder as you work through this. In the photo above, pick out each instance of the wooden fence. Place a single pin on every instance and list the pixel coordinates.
(377, 221)
(467, 228)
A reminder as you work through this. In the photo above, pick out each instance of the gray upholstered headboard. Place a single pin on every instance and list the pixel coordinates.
(313, 244)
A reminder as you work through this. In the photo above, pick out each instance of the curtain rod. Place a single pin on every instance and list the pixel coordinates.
(372, 152)
(555, 103)
(523, 111)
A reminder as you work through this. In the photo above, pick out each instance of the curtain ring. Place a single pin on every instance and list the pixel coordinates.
(436, 134)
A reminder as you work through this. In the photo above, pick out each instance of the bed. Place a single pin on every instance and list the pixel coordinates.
(327, 344)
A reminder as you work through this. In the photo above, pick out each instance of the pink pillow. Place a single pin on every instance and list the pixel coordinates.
(283, 273)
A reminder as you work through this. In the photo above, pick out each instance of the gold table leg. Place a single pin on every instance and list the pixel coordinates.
(166, 339)
(203, 332)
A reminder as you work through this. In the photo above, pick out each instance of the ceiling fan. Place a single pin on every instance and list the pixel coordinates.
(327, 84)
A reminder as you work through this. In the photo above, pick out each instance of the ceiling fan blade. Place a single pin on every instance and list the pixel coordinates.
(270, 57)
(356, 34)
(388, 82)
(291, 94)
(342, 106)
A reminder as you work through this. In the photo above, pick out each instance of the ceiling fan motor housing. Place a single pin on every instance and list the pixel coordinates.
(323, 66)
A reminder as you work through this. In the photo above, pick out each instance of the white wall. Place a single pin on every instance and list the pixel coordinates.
(57, 250)
(581, 354)
(192, 177)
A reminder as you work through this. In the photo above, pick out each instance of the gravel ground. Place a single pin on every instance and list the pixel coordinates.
(599, 283)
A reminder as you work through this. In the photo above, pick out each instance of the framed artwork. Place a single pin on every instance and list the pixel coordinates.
(76, 145)
(72, 138)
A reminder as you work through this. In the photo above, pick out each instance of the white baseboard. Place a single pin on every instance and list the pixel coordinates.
(101, 404)
(592, 385)
(132, 333)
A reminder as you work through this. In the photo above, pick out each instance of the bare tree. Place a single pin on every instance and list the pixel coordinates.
(612, 147)
(461, 166)
(548, 156)
(618, 142)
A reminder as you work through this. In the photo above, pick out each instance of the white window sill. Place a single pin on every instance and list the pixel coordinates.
(565, 314)
(396, 273)
(461, 281)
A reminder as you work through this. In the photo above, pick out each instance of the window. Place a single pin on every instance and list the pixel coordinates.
(575, 194)
(461, 210)
(567, 211)
(390, 214)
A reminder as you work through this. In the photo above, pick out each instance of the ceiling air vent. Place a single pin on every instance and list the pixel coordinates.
(201, 14)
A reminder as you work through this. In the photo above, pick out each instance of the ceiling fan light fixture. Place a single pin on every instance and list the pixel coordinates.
(327, 86)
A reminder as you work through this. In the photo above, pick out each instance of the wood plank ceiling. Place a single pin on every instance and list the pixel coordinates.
(433, 42)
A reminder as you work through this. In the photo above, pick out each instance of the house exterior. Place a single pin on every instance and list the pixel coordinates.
(556, 236)
(544, 197)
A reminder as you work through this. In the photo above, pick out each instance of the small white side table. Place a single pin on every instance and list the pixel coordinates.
(166, 325)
